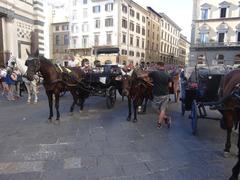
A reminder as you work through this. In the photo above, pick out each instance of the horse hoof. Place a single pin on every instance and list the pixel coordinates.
(80, 111)
(135, 120)
(70, 113)
(57, 122)
(28, 102)
(226, 154)
(49, 120)
(128, 119)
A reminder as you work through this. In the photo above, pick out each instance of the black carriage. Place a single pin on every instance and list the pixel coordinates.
(201, 89)
(101, 82)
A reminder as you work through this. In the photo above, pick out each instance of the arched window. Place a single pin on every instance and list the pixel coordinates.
(220, 58)
(201, 59)
(237, 59)
(222, 29)
(224, 9)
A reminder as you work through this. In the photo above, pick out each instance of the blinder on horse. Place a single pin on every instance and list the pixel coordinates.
(33, 64)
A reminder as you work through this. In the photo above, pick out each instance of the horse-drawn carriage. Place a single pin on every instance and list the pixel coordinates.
(101, 82)
(199, 89)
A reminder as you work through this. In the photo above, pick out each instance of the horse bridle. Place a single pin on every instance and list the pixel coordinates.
(36, 63)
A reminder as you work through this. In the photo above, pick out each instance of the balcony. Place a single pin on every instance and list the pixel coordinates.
(216, 45)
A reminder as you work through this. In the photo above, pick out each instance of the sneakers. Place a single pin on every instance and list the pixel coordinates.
(168, 122)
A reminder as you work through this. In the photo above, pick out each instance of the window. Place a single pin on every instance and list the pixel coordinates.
(221, 37)
(64, 27)
(109, 22)
(57, 28)
(143, 19)
(96, 39)
(84, 41)
(132, 12)
(142, 55)
(220, 59)
(124, 23)
(57, 40)
(203, 38)
(97, 23)
(85, 27)
(131, 53)
(85, 13)
(204, 14)
(238, 37)
(109, 7)
(138, 54)
(124, 8)
(124, 37)
(131, 26)
(66, 39)
(138, 16)
(109, 38)
(143, 43)
(131, 40)
(223, 12)
(84, 1)
(138, 42)
(138, 29)
(124, 52)
(96, 9)
(143, 31)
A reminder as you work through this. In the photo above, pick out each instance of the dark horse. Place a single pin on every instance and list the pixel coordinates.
(54, 81)
(137, 90)
(230, 91)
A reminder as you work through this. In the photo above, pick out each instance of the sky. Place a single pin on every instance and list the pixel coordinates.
(180, 11)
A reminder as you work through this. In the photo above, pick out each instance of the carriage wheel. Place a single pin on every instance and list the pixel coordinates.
(194, 117)
(111, 97)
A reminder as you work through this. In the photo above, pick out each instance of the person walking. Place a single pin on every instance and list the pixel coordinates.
(161, 84)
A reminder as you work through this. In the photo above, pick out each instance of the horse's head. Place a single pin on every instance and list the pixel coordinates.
(33, 64)
(126, 82)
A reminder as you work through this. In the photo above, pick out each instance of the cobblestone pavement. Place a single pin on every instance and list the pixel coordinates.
(99, 144)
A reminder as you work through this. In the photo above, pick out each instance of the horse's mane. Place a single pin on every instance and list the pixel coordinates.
(230, 81)
(42, 58)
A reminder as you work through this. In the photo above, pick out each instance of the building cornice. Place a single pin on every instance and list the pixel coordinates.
(216, 20)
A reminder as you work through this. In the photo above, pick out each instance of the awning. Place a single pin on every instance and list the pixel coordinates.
(107, 51)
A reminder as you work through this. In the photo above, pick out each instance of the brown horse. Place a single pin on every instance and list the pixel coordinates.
(54, 81)
(230, 91)
(229, 108)
(137, 90)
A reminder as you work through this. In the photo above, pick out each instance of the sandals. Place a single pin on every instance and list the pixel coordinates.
(159, 125)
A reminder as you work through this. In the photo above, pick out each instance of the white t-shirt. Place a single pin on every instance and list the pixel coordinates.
(72, 63)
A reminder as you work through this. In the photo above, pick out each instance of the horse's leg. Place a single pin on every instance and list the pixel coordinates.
(236, 168)
(81, 104)
(28, 92)
(135, 106)
(75, 99)
(129, 109)
(34, 86)
(228, 142)
(57, 106)
(229, 119)
(145, 105)
(50, 102)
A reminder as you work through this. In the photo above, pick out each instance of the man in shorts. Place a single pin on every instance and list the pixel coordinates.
(161, 84)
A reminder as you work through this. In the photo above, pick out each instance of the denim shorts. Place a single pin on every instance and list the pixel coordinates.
(160, 102)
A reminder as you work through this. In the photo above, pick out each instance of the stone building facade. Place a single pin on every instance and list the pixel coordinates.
(215, 38)
(21, 28)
